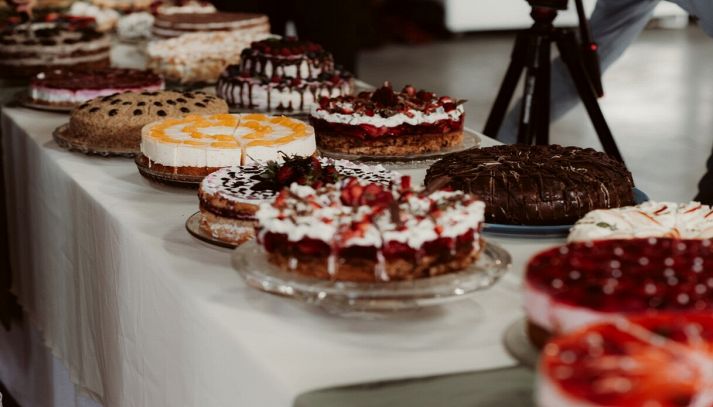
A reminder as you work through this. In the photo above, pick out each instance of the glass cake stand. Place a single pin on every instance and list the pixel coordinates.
(470, 140)
(368, 299)
(64, 139)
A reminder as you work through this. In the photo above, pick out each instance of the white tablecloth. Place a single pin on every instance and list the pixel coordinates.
(143, 314)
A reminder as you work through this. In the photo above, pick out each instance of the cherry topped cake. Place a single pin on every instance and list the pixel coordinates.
(661, 360)
(283, 74)
(536, 185)
(388, 123)
(570, 286)
(355, 230)
(650, 219)
(70, 88)
(230, 196)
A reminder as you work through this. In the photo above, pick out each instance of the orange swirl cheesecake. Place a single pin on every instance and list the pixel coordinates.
(199, 145)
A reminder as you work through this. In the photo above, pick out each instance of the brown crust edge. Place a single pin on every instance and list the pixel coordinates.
(393, 145)
(194, 171)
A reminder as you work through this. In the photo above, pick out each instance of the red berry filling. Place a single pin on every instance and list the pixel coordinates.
(367, 131)
(628, 276)
(657, 360)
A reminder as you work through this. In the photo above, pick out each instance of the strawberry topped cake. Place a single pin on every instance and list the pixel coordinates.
(283, 74)
(355, 230)
(658, 360)
(651, 219)
(230, 196)
(581, 283)
(385, 122)
(70, 88)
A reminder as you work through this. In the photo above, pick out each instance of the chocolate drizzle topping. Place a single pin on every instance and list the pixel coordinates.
(536, 185)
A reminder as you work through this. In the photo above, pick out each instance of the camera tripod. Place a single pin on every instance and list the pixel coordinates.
(531, 54)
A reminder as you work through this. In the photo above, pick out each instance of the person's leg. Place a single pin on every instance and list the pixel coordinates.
(615, 25)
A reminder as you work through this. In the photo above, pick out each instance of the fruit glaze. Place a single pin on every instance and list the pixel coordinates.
(384, 113)
(662, 360)
(570, 286)
(651, 219)
(359, 231)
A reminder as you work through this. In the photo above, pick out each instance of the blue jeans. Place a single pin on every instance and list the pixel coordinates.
(615, 25)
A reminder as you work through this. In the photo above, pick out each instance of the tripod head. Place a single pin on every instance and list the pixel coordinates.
(554, 4)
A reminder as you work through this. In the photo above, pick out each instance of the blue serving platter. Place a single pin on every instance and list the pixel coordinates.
(543, 231)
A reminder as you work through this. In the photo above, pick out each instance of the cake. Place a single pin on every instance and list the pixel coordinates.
(198, 57)
(581, 283)
(230, 196)
(283, 75)
(135, 26)
(198, 145)
(536, 185)
(28, 49)
(651, 219)
(105, 18)
(124, 5)
(115, 121)
(659, 360)
(69, 88)
(387, 123)
(174, 25)
(359, 231)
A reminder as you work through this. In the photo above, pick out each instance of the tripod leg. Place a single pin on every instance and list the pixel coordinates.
(535, 114)
(542, 93)
(567, 45)
(507, 88)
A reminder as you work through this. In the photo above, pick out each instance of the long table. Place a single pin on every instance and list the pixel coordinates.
(143, 314)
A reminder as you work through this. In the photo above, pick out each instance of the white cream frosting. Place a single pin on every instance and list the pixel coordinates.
(106, 18)
(199, 56)
(135, 26)
(303, 70)
(67, 96)
(326, 220)
(650, 219)
(210, 141)
(414, 117)
(270, 97)
(557, 317)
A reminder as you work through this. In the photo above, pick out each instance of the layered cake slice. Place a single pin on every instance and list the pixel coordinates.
(115, 121)
(662, 360)
(28, 49)
(283, 75)
(536, 185)
(651, 219)
(388, 123)
(359, 231)
(198, 145)
(230, 196)
(571, 286)
(69, 88)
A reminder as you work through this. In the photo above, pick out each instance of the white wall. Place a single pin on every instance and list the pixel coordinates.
(481, 15)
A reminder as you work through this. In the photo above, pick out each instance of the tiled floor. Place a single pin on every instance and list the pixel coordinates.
(659, 98)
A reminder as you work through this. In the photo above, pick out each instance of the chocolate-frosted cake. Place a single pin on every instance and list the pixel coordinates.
(536, 185)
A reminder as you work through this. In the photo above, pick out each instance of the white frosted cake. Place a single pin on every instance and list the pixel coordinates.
(651, 219)
(283, 74)
(199, 145)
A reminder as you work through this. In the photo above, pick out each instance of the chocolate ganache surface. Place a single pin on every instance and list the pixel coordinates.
(536, 185)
